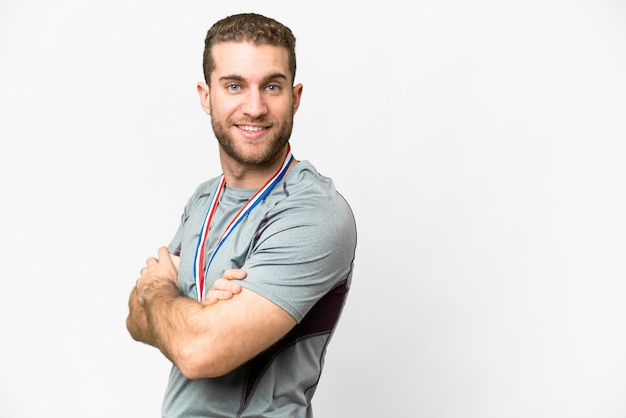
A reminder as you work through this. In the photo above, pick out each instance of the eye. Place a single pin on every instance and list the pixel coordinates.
(273, 88)
(233, 87)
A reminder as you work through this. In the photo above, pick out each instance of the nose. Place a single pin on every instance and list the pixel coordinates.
(254, 104)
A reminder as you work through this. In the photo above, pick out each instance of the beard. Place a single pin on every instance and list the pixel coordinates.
(265, 152)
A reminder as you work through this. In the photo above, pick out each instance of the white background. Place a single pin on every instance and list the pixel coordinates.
(481, 145)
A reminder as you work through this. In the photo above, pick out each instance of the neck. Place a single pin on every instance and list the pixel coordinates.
(250, 176)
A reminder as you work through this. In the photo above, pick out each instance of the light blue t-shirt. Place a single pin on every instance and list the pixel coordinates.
(297, 247)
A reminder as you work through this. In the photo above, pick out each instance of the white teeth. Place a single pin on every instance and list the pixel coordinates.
(251, 128)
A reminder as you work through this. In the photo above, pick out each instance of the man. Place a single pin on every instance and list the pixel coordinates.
(271, 238)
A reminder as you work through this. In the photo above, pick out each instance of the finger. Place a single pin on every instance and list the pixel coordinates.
(220, 284)
(213, 296)
(235, 274)
(234, 288)
(226, 285)
(164, 256)
(210, 298)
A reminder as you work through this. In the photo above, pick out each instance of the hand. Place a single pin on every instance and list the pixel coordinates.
(159, 276)
(224, 288)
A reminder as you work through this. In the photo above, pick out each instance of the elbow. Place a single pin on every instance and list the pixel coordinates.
(192, 372)
(195, 370)
(200, 363)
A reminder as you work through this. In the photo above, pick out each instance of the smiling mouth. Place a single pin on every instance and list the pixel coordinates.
(250, 128)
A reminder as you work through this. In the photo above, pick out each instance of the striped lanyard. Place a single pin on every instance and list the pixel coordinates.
(200, 273)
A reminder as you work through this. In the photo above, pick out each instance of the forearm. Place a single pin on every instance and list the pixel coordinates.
(158, 313)
(161, 321)
(211, 340)
(169, 318)
(202, 339)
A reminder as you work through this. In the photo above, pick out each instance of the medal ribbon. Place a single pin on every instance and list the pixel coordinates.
(200, 272)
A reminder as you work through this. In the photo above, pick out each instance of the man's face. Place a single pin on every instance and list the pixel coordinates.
(252, 101)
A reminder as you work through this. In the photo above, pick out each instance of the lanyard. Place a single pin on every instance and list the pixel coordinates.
(200, 272)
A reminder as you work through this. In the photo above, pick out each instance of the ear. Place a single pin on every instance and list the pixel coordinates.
(205, 100)
(297, 94)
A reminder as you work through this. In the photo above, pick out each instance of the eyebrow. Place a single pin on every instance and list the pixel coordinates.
(267, 78)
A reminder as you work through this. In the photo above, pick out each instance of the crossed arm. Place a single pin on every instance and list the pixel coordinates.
(203, 339)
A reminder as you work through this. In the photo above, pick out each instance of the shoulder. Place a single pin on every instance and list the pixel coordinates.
(304, 183)
(311, 200)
